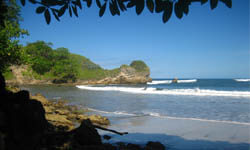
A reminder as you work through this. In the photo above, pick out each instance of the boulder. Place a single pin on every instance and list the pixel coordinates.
(60, 121)
(40, 98)
(154, 146)
(97, 119)
(26, 124)
(62, 111)
(86, 134)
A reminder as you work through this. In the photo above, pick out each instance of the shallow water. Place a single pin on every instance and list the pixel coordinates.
(208, 100)
(193, 114)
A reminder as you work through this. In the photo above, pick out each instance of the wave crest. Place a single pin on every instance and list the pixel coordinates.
(242, 80)
(158, 115)
(170, 81)
(188, 92)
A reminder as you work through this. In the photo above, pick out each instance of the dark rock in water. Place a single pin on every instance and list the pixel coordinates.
(133, 147)
(154, 146)
(175, 80)
(86, 134)
(107, 137)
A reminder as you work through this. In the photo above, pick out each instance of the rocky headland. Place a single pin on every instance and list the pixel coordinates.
(126, 74)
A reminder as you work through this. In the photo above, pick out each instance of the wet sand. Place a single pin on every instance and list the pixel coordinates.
(182, 134)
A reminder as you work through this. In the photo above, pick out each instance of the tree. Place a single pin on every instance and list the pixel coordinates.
(166, 7)
(39, 55)
(10, 50)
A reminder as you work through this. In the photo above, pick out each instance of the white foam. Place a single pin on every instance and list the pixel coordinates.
(188, 92)
(154, 114)
(206, 120)
(187, 81)
(242, 80)
(116, 112)
(170, 81)
(160, 82)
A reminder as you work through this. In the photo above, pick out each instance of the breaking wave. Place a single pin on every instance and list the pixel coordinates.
(242, 80)
(158, 115)
(160, 82)
(188, 92)
(170, 81)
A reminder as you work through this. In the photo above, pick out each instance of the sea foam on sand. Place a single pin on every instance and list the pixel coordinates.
(179, 134)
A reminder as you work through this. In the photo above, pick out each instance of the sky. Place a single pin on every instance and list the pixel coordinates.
(204, 44)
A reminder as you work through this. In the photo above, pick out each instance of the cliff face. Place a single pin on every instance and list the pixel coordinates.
(136, 73)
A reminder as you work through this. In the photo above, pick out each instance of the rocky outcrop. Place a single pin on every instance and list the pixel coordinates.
(131, 74)
(127, 75)
(65, 116)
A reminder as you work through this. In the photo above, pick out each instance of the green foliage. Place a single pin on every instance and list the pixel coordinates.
(40, 56)
(139, 65)
(10, 31)
(166, 7)
(8, 75)
(61, 66)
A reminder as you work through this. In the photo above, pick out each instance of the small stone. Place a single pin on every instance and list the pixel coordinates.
(107, 137)
(154, 146)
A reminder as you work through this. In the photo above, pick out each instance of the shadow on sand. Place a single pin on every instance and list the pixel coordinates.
(178, 143)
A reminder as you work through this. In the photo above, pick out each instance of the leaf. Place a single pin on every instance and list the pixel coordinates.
(117, 11)
(40, 9)
(89, 2)
(167, 12)
(75, 10)
(111, 9)
(47, 16)
(121, 5)
(186, 9)
(98, 3)
(203, 2)
(178, 11)
(140, 4)
(62, 10)
(33, 1)
(213, 4)
(70, 11)
(131, 4)
(23, 2)
(55, 15)
(150, 5)
(102, 9)
(79, 4)
(228, 3)
(158, 6)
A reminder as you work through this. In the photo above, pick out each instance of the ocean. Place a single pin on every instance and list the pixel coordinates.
(207, 101)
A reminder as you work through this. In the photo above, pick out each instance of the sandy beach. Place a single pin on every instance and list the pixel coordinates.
(183, 134)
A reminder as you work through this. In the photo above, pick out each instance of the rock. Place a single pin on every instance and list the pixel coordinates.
(86, 134)
(81, 117)
(40, 98)
(49, 109)
(154, 146)
(99, 120)
(62, 111)
(133, 147)
(26, 125)
(175, 80)
(2, 141)
(58, 119)
(107, 137)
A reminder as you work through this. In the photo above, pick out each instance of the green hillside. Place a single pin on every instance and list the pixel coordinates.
(60, 66)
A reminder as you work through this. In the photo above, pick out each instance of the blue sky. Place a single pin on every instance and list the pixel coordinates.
(203, 44)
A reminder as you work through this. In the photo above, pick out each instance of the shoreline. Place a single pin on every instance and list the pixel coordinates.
(180, 134)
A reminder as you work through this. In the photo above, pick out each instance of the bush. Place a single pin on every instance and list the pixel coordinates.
(139, 65)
